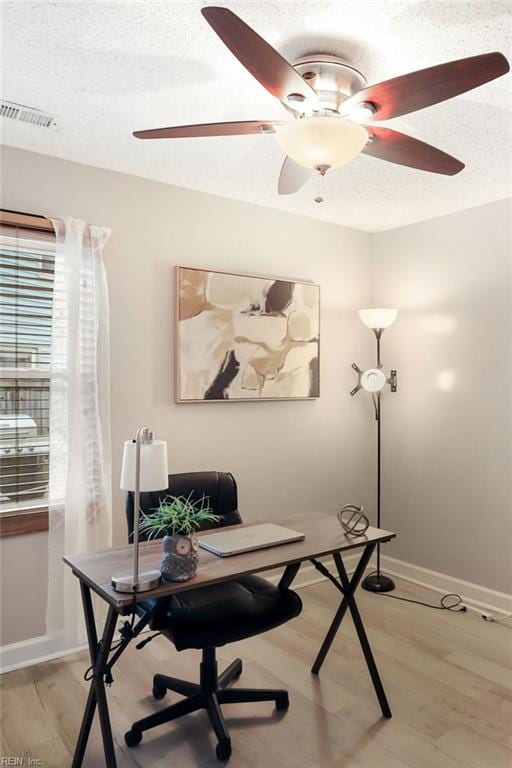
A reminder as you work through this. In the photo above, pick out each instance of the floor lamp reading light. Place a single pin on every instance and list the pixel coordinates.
(374, 380)
(144, 469)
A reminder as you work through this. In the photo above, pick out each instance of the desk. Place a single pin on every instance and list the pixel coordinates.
(323, 536)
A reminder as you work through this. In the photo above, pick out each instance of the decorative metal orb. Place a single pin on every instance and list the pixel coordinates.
(353, 520)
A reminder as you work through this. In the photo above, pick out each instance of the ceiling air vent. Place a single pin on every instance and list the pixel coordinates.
(26, 114)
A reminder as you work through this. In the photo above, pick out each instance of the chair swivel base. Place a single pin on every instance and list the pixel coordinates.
(209, 694)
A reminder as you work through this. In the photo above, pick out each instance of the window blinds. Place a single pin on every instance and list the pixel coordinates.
(26, 295)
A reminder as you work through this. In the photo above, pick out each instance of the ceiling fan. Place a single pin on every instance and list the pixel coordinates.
(333, 108)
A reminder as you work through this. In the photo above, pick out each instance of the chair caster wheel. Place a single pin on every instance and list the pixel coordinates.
(132, 738)
(223, 750)
(159, 691)
(282, 703)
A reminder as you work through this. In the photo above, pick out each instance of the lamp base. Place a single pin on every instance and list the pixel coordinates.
(378, 582)
(147, 580)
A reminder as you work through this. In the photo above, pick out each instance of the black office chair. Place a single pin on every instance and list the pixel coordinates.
(209, 617)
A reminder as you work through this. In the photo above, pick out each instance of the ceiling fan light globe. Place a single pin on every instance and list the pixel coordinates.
(322, 141)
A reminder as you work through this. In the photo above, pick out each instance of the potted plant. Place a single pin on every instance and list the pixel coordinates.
(178, 518)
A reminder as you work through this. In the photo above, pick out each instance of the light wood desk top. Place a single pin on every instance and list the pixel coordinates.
(324, 535)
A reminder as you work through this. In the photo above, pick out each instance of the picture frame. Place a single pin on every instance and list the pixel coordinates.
(244, 337)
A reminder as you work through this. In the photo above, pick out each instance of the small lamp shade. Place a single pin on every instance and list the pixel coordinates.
(378, 318)
(153, 466)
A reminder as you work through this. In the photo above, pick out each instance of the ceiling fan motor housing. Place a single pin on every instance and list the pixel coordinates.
(333, 79)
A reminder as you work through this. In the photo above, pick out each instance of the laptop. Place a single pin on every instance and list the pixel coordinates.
(226, 543)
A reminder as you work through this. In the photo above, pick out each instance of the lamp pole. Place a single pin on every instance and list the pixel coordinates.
(373, 381)
(143, 435)
(378, 416)
(378, 582)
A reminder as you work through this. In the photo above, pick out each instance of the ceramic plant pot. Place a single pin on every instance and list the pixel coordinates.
(179, 558)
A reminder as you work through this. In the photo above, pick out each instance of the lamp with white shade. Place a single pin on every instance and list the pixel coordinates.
(144, 468)
(379, 318)
(374, 380)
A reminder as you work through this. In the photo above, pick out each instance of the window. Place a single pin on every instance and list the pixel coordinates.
(26, 294)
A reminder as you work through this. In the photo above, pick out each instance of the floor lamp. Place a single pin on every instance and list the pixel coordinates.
(373, 381)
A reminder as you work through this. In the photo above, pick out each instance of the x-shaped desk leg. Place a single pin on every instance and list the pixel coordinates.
(97, 696)
(348, 587)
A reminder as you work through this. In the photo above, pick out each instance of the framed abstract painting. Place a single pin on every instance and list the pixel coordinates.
(242, 337)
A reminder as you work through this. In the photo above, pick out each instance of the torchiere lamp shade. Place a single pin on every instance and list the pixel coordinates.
(379, 317)
(154, 474)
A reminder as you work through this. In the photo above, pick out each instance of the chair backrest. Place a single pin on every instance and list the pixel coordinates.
(218, 488)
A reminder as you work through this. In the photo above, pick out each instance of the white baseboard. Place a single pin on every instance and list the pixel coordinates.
(476, 598)
(34, 651)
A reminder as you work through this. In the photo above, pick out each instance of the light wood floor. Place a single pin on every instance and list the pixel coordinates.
(448, 678)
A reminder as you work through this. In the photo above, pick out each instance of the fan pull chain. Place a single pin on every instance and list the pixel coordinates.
(320, 187)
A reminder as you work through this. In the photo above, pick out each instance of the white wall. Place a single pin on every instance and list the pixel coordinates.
(23, 560)
(447, 433)
(286, 456)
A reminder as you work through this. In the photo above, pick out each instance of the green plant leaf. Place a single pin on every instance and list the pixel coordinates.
(177, 515)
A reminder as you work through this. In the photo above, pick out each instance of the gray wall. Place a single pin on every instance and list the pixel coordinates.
(286, 456)
(447, 432)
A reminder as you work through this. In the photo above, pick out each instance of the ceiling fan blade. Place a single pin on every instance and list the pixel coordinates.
(292, 177)
(237, 128)
(420, 89)
(398, 148)
(263, 62)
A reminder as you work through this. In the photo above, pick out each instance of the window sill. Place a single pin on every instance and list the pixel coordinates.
(19, 522)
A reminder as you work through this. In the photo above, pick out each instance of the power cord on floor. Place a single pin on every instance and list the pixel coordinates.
(495, 618)
(456, 606)
(449, 602)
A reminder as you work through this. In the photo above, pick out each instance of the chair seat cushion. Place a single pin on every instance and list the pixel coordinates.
(224, 613)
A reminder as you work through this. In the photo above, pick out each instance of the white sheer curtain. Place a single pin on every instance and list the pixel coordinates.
(80, 507)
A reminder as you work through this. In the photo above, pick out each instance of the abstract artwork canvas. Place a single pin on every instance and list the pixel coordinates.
(246, 338)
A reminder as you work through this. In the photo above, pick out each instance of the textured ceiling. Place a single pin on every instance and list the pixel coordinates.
(107, 68)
